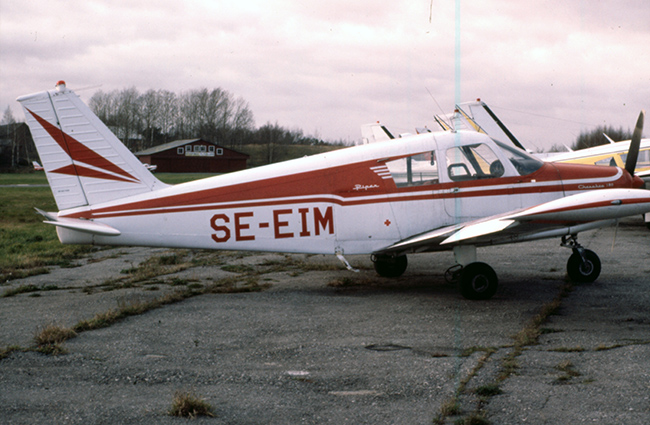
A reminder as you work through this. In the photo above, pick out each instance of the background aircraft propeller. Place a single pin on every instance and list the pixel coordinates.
(633, 153)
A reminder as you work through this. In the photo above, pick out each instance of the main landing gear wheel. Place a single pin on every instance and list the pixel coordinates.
(583, 268)
(387, 266)
(478, 281)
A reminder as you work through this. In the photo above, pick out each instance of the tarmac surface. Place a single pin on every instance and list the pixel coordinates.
(323, 345)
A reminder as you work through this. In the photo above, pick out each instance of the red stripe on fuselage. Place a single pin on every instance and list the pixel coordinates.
(336, 185)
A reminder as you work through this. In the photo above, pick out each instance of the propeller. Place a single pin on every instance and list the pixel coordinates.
(633, 152)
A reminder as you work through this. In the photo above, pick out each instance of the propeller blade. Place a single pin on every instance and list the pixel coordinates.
(633, 152)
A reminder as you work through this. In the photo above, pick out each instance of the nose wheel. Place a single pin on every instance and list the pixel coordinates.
(583, 265)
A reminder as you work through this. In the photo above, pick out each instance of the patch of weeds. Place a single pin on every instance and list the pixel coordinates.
(450, 407)
(237, 268)
(471, 350)
(569, 371)
(476, 418)
(53, 334)
(577, 349)
(49, 339)
(347, 282)
(546, 331)
(23, 273)
(154, 267)
(295, 265)
(488, 390)
(235, 284)
(172, 259)
(152, 288)
(343, 282)
(194, 286)
(603, 347)
(188, 405)
(5, 352)
(177, 281)
(51, 349)
(130, 308)
(22, 289)
(509, 366)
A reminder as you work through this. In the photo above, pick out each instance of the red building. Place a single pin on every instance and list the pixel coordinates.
(193, 156)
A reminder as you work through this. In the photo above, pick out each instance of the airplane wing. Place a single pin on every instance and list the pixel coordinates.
(564, 216)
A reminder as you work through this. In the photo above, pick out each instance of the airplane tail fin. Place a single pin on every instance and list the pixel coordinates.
(85, 163)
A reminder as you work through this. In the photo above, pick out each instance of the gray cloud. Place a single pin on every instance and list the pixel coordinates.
(328, 67)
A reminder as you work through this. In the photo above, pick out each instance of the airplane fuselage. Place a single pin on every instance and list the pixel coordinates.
(353, 201)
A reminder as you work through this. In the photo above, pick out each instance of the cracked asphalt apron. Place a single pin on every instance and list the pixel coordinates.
(368, 350)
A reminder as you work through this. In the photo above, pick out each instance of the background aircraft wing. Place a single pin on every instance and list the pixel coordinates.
(564, 216)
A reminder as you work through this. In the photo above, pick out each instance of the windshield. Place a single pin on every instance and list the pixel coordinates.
(523, 162)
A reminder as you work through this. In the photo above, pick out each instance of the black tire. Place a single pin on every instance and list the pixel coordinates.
(478, 281)
(583, 271)
(387, 266)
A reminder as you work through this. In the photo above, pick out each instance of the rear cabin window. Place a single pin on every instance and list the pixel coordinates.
(414, 170)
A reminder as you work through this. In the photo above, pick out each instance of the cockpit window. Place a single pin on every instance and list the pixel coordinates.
(523, 162)
(414, 170)
(472, 162)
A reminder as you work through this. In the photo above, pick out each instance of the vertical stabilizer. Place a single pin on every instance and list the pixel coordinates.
(84, 162)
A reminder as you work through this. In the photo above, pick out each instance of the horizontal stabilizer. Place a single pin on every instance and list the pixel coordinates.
(86, 226)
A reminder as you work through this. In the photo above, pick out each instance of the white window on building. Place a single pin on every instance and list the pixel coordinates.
(210, 148)
(180, 151)
(188, 148)
(219, 151)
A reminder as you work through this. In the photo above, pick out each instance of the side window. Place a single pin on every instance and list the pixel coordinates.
(414, 170)
(524, 164)
(473, 162)
(180, 150)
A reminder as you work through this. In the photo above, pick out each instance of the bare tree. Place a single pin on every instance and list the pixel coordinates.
(128, 116)
(144, 120)
(8, 117)
(150, 105)
(167, 112)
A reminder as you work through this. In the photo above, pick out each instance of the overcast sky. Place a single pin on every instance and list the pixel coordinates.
(549, 69)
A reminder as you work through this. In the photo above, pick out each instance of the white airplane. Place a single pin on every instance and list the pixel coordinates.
(37, 166)
(430, 192)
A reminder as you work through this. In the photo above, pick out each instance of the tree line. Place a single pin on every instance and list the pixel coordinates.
(596, 137)
(144, 120)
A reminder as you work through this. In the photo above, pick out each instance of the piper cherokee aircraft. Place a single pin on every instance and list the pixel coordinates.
(429, 192)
